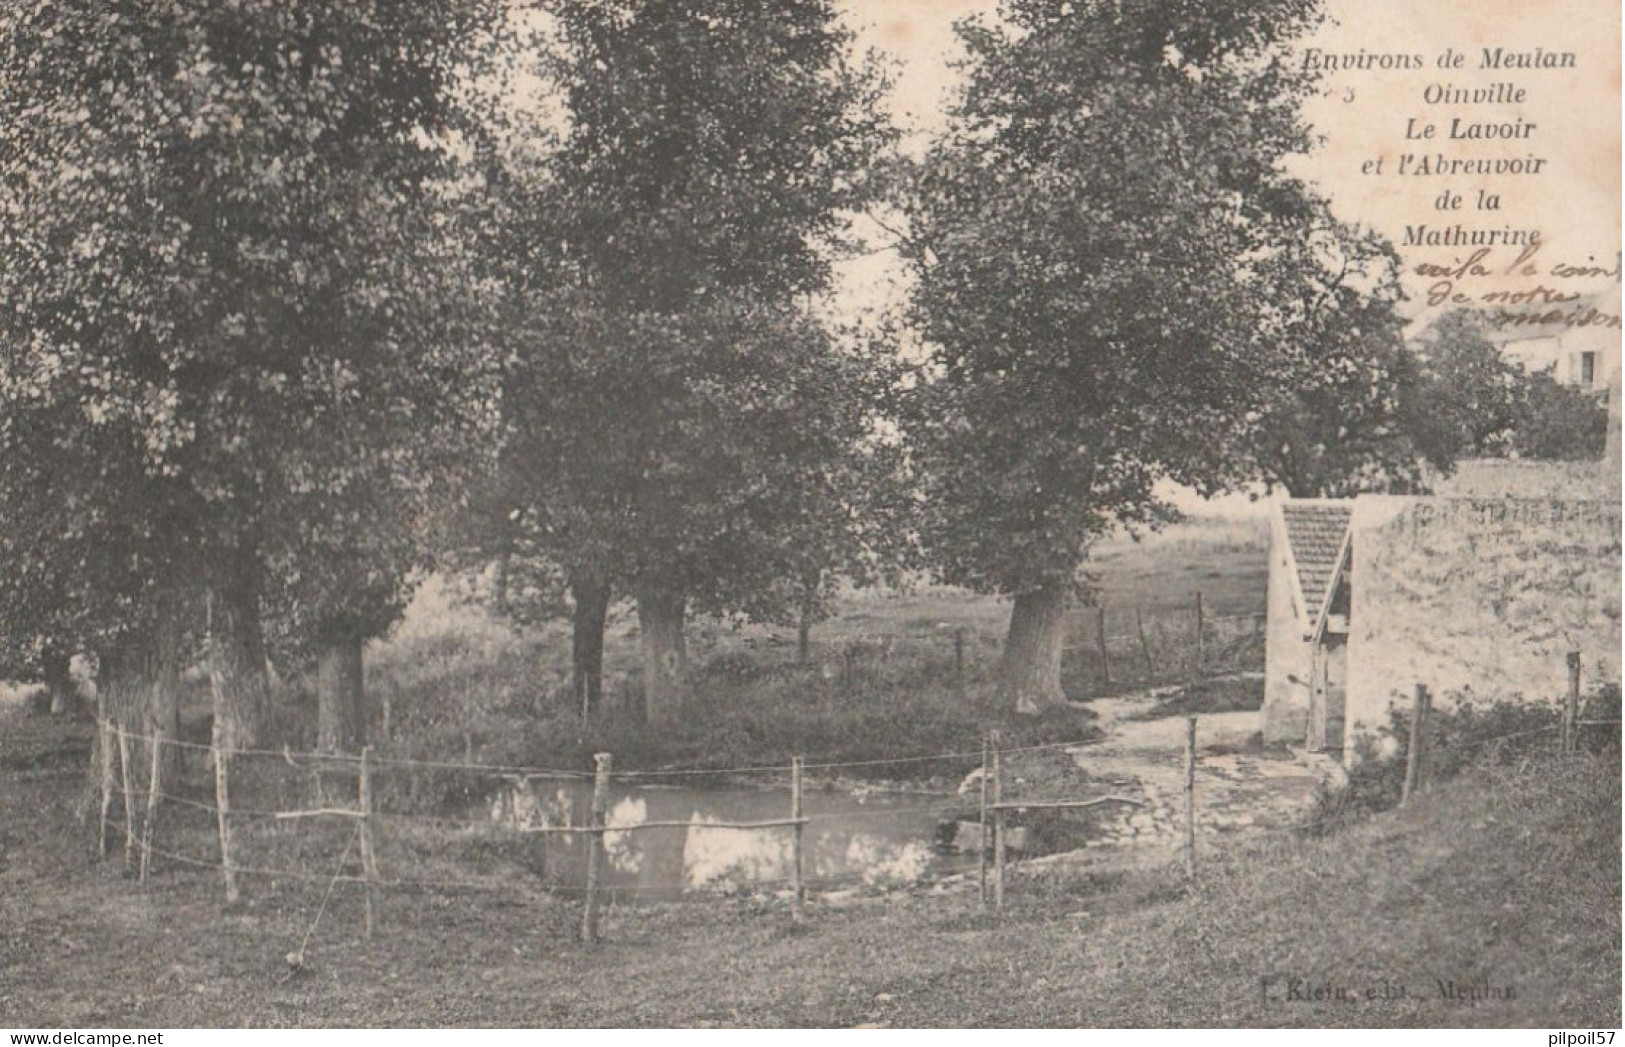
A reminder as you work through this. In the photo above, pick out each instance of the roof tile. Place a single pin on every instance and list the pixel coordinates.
(1315, 532)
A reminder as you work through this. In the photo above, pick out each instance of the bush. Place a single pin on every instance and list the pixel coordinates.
(1465, 733)
(1602, 705)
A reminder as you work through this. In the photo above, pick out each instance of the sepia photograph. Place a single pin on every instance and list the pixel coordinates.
(809, 514)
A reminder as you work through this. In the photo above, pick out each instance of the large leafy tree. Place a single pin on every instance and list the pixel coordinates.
(229, 296)
(1482, 403)
(1472, 389)
(719, 459)
(698, 418)
(1360, 411)
(1120, 283)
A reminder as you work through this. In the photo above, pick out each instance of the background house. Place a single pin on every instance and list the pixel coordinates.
(1585, 357)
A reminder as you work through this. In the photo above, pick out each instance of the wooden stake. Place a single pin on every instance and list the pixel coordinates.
(1571, 706)
(1145, 647)
(981, 820)
(129, 799)
(998, 825)
(959, 658)
(1100, 634)
(595, 848)
(1190, 797)
(1413, 755)
(1199, 624)
(369, 860)
(154, 789)
(222, 810)
(797, 893)
(1424, 764)
(106, 735)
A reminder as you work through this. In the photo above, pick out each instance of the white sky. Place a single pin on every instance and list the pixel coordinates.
(1577, 113)
(1576, 204)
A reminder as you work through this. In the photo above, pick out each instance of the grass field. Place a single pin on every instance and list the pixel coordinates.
(1503, 884)
(1492, 900)
(456, 682)
(882, 681)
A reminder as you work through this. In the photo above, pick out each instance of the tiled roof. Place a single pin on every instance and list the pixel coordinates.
(1315, 532)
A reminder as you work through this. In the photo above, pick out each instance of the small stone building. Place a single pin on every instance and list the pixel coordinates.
(1473, 596)
(1306, 642)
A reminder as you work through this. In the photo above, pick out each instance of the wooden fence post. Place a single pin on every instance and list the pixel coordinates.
(981, 818)
(106, 735)
(1413, 754)
(602, 763)
(1571, 706)
(369, 861)
(998, 824)
(1424, 766)
(959, 658)
(797, 893)
(1100, 633)
(222, 810)
(154, 788)
(1190, 798)
(1197, 674)
(1145, 647)
(129, 799)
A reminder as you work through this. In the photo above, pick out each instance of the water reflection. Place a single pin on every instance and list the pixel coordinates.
(876, 840)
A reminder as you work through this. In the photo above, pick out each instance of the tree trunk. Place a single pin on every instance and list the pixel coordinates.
(237, 679)
(341, 697)
(804, 637)
(807, 612)
(587, 645)
(162, 682)
(91, 796)
(665, 658)
(499, 584)
(1030, 672)
(57, 668)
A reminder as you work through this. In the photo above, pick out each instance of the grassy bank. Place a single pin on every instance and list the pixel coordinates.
(1504, 881)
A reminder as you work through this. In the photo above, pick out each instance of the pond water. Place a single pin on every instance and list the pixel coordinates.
(879, 840)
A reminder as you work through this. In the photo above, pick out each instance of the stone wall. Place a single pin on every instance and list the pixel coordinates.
(1286, 653)
(1527, 478)
(1482, 597)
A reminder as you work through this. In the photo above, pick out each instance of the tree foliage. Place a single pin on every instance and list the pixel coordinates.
(1482, 404)
(229, 293)
(1121, 284)
(681, 426)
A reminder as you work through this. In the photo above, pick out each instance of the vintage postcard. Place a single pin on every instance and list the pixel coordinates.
(829, 514)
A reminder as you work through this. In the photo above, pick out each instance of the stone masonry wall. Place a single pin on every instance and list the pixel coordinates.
(1479, 596)
(1287, 658)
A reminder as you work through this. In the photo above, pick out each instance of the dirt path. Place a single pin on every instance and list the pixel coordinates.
(1240, 784)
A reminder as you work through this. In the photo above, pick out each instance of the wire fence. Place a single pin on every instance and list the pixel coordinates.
(1106, 648)
(520, 829)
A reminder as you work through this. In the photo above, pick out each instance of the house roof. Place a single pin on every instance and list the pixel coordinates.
(1315, 532)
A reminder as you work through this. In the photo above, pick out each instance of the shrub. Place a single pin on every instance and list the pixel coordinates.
(1602, 705)
(1464, 733)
